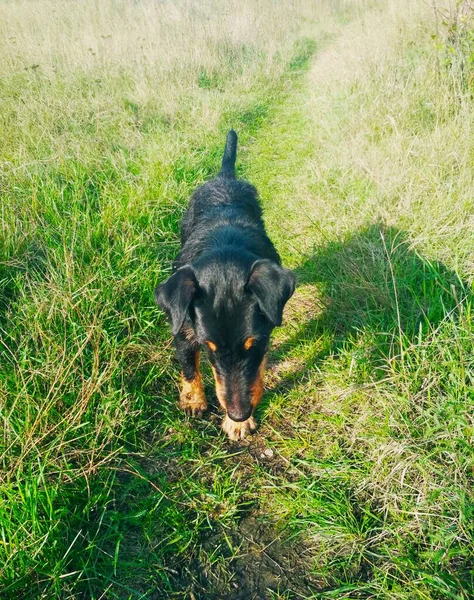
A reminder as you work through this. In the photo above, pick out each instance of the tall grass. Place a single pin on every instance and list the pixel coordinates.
(356, 128)
(373, 400)
(111, 113)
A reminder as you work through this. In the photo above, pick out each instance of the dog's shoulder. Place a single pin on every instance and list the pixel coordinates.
(218, 202)
(222, 191)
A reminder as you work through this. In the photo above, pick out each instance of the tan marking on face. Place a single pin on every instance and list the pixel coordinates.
(219, 389)
(256, 389)
(249, 343)
(192, 398)
(211, 345)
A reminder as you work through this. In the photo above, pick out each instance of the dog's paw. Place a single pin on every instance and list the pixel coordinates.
(192, 406)
(192, 399)
(238, 431)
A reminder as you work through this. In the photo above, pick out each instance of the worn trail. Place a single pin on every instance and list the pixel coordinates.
(340, 194)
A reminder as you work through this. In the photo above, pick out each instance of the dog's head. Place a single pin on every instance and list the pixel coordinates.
(232, 303)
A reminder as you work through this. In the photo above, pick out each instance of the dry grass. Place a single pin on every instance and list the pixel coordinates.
(155, 52)
(355, 125)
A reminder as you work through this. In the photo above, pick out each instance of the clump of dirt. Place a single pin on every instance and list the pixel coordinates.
(263, 561)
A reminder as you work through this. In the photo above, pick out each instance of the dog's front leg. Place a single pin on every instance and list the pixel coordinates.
(192, 398)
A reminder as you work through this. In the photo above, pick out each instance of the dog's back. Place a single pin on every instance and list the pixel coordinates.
(224, 212)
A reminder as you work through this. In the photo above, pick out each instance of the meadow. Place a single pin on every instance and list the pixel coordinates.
(356, 123)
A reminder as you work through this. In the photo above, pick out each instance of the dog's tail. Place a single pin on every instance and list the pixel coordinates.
(230, 154)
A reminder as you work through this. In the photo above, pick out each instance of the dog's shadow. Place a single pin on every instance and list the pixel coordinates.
(373, 283)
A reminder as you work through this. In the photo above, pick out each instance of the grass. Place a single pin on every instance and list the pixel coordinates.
(354, 120)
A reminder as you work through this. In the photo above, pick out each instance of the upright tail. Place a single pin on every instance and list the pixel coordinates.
(230, 154)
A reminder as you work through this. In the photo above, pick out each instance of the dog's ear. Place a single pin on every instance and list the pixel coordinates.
(273, 286)
(175, 295)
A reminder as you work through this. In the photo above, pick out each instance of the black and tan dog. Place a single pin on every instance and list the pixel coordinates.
(227, 293)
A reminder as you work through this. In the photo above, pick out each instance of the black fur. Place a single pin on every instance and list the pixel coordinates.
(230, 156)
(228, 285)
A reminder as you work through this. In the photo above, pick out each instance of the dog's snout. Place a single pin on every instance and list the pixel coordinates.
(239, 407)
(239, 415)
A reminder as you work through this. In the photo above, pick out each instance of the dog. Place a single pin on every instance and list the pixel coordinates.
(226, 294)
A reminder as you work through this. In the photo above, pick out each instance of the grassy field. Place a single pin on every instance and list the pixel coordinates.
(356, 123)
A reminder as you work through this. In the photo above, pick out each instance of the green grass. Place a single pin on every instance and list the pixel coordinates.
(358, 483)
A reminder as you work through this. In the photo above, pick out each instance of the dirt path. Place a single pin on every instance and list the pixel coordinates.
(332, 204)
(268, 564)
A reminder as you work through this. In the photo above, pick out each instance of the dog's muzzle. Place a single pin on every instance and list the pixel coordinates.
(239, 415)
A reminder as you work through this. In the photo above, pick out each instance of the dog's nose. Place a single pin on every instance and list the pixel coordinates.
(239, 415)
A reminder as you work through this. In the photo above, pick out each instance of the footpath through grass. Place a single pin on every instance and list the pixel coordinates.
(358, 483)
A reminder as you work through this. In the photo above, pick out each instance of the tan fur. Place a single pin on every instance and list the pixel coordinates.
(256, 390)
(238, 431)
(189, 334)
(192, 398)
(249, 343)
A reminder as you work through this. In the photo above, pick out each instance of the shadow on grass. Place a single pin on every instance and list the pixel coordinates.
(379, 298)
(372, 284)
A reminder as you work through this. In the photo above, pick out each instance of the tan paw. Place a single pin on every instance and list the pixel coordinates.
(238, 431)
(192, 399)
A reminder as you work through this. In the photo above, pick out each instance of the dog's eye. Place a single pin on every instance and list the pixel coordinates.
(249, 342)
(211, 345)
